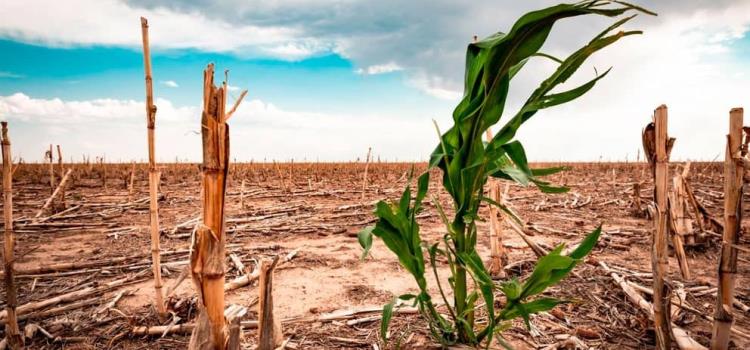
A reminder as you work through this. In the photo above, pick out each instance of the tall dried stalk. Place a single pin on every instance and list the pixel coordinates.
(291, 172)
(733, 171)
(60, 171)
(498, 257)
(364, 176)
(59, 160)
(659, 254)
(103, 168)
(132, 182)
(51, 157)
(13, 334)
(153, 174)
(207, 255)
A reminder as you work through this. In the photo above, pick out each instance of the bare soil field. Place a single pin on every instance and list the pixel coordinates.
(309, 215)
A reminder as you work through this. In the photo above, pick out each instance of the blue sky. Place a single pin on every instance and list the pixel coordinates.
(325, 82)
(327, 79)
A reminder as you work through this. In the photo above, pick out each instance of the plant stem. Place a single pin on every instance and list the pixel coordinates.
(13, 333)
(460, 292)
(659, 262)
(153, 175)
(733, 183)
(207, 257)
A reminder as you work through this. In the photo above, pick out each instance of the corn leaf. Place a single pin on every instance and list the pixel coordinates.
(365, 240)
(466, 162)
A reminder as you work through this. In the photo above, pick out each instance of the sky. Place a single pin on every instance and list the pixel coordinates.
(327, 79)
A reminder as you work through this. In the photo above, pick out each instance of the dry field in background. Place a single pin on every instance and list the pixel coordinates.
(316, 210)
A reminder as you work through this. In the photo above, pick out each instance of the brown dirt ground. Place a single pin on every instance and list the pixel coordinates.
(317, 209)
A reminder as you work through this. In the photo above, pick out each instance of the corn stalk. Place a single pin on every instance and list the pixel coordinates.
(153, 174)
(12, 332)
(498, 256)
(207, 253)
(467, 163)
(51, 157)
(659, 256)
(733, 187)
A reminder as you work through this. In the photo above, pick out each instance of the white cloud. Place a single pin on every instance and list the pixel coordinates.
(111, 22)
(429, 51)
(24, 108)
(380, 69)
(434, 86)
(685, 63)
(170, 83)
(262, 130)
(111, 127)
(259, 130)
(295, 50)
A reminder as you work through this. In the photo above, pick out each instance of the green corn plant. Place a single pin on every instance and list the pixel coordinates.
(466, 162)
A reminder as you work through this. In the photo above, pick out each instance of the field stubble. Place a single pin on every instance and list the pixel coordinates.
(314, 210)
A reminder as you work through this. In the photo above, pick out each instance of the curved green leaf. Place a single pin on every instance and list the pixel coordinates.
(365, 240)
